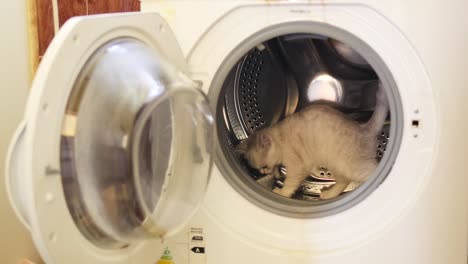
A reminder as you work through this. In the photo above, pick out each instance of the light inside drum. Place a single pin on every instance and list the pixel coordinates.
(324, 87)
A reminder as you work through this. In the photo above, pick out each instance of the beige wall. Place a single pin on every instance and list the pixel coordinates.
(15, 242)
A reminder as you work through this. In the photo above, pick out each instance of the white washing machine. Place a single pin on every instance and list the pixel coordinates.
(127, 146)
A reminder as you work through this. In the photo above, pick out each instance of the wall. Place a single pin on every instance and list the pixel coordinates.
(15, 242)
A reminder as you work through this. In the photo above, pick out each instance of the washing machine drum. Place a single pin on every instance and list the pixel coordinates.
(282, 76)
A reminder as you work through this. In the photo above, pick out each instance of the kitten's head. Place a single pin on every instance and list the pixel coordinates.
(261, 152)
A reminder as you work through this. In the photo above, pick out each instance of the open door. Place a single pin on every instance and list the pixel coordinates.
(115, 149)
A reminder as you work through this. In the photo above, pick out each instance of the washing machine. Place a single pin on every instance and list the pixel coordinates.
(127, 152)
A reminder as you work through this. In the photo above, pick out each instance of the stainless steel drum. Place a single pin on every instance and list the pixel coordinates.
(285, 74)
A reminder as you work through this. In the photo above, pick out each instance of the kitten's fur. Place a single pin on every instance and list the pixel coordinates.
(318, 136)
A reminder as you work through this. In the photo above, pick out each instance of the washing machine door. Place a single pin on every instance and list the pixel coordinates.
(115, 149)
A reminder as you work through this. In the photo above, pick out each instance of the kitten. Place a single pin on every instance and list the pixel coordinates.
(318, 136)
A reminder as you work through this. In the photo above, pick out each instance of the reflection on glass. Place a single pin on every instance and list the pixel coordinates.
(128, 166)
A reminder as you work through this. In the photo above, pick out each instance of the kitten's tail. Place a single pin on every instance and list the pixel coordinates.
(377, 120)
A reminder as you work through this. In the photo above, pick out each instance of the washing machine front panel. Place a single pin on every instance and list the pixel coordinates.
(401, 71)
(427, 205)
(115, 151)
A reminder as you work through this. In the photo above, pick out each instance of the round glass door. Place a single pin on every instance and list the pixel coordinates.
(136, 146)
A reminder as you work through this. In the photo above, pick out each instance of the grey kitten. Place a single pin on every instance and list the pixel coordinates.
(318, 136)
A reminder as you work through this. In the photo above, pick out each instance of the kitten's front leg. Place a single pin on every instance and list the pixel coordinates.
(292, 181)
(335, 190)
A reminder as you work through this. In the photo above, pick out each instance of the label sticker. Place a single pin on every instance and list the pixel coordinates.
(197, 246)
(197, 238)
(198, 250)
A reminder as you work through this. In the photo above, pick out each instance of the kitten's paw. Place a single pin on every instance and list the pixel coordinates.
(326, 195)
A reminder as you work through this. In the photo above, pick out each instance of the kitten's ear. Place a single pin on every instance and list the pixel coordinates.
(241, 148)
(265, 141)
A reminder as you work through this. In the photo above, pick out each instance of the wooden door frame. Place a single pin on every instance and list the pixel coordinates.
(44, 17)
